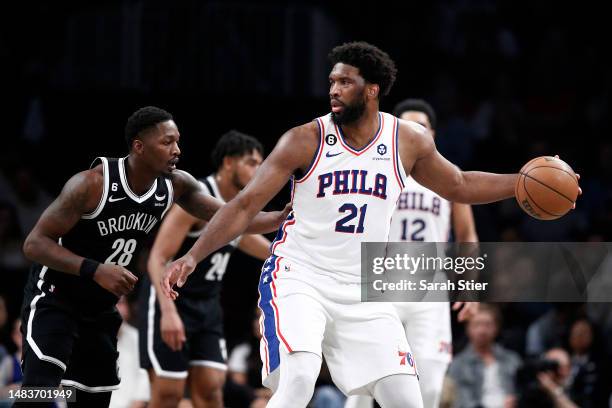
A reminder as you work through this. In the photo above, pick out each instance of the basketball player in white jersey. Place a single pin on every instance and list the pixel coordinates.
(348, 169)
(422, 215)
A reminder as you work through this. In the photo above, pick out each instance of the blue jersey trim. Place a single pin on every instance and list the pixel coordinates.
(269, 318)
(314, 160)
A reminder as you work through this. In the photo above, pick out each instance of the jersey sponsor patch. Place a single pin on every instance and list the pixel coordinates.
(331, 139)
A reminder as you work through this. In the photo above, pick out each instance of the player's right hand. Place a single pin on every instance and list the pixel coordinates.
(176, 273)
(172, 330)
(115, 278)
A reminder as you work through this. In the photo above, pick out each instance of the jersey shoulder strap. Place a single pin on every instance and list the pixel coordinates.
(106, 174)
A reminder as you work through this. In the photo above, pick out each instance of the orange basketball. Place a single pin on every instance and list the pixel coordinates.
(547, 188)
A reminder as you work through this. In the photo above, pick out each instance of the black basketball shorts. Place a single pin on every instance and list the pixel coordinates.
(205, 345)
(60, 331)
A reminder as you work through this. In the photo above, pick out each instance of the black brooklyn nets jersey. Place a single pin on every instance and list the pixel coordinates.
(114, 233)
(205, 281)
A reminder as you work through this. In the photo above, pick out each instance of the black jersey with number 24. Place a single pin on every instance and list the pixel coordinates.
(206, 281)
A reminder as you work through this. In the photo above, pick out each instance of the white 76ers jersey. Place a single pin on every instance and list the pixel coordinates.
(421, 215)
(347, 197)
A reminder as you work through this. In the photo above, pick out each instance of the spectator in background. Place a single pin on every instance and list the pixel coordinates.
(551, 379)
(586, 382)
(484, 372)
(134, 391)
(551, 328)
(601, 315)
(10, 370)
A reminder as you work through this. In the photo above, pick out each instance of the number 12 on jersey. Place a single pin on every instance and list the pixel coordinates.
(341, 225)
(416, 227)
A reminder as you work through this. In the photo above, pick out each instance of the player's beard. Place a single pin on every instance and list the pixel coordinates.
(350, 114)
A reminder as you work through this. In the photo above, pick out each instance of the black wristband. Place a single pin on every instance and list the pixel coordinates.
(88, 268)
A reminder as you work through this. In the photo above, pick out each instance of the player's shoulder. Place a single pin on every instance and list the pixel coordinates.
(299, 142)
(85, 187)
(179, 178)
(305, 133)
(90, 179)
(414, 136)
(412, 130)
(182, 181)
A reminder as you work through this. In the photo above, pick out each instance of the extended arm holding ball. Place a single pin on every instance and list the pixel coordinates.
(428, 167)
(546, 187)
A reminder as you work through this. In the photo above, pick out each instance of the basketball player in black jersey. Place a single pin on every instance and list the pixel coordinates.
(182, 341)
(84, 246)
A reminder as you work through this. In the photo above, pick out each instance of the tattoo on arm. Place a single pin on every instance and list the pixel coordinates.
(77, 197)
(193, 199)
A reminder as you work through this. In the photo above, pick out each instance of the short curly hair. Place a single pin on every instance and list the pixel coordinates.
(142, 119)
(234, 144)
(416, 105)
(375, 65)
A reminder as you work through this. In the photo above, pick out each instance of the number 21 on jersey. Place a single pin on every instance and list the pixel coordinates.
(345, 224)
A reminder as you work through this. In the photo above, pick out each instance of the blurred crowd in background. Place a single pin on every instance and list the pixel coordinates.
(509, 81)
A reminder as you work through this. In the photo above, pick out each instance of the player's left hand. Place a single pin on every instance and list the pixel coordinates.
(281, 216)
(268, 221)
(176, 273)
(288, 208)
(467, 310)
